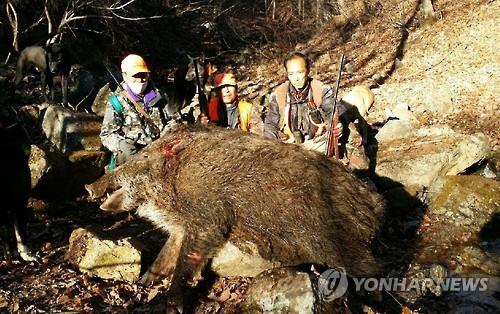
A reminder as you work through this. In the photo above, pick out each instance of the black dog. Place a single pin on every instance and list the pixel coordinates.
(16, 187)
(49, 61)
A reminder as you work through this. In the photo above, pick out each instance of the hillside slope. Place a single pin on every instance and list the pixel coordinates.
(443, 70)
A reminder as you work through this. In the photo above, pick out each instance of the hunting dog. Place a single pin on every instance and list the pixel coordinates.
(49, 61)
(357, 102)
(15, 191)
(185, 85)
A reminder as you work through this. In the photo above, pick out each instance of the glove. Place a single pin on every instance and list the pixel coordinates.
(127, 147)
(337, 130)
(204, 119)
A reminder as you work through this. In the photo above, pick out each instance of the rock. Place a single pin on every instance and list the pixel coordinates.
(437, 273)
(467, 197)
(71, 131)
(395, 129)
(280, 291)
(107, 259)
(492, 168)
(38, 163)
(87, 166)
(456, 217)
(488, 172)
(51, 173)
(475, 257)
(54, 175)
(101, 100)
(477, 301)
(242, 260)
(3, 301)
(402, 111)
(425, 156)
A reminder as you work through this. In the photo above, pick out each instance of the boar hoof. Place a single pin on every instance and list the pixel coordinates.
(147, 279)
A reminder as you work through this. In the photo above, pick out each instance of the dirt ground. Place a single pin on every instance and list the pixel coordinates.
(446, 71)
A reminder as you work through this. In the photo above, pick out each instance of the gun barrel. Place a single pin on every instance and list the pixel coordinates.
(118, 85)
(332, 147)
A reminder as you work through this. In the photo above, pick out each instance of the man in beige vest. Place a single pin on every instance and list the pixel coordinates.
(300, 108)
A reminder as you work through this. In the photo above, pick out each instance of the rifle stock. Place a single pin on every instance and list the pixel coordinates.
(332, 145)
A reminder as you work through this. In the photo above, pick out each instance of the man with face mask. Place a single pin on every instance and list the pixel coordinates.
(225, 109)
(136, 116)
(300, 108)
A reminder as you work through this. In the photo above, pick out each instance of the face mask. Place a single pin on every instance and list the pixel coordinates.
(137, 88)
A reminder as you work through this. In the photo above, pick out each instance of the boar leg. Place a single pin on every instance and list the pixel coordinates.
(165, 263)
(184, 257)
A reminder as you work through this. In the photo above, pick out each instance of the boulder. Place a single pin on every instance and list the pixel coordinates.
(87, 165)
(103, 258)
(424, 156)
(71, 131)
(396, 129)
(280, 291)
(457, 224)
(243, 260)
(54, 175)
(39, 164)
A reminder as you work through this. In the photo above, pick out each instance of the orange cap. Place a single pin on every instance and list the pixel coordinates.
(133, 64)
(225, 79)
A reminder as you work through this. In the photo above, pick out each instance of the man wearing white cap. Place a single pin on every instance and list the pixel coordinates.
(136, 115)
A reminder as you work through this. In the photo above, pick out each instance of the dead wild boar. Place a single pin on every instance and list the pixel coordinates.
(206, 186)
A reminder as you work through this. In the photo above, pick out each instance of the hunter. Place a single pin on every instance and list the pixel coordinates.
(225, 109)
(301, 107)
(136, 115)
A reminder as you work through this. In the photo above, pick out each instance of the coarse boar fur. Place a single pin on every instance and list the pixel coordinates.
(206, 186)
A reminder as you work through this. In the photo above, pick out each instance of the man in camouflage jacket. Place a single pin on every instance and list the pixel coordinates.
(125, 130)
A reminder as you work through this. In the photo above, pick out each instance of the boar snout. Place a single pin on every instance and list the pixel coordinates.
(114, 202)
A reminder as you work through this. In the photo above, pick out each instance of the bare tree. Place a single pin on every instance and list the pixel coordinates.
(12, 16)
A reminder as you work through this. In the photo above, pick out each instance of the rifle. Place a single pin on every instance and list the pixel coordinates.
(332, 145)
(202, 99)
(117, 106)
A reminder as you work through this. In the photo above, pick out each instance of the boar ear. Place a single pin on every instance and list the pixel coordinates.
(114, 203)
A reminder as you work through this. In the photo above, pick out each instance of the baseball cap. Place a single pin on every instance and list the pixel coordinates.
(133, 64)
